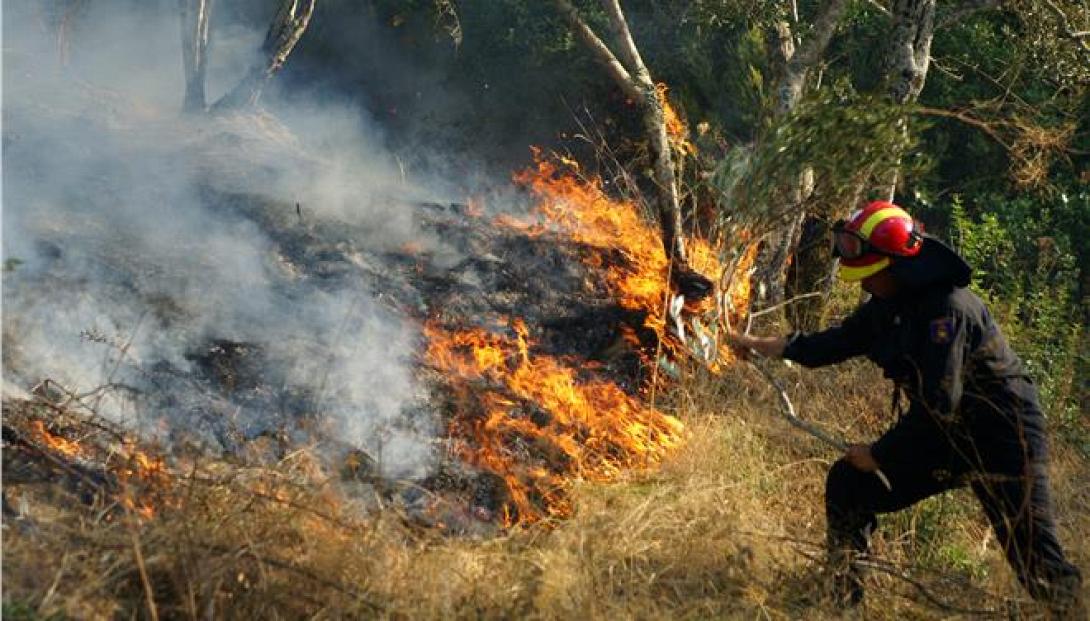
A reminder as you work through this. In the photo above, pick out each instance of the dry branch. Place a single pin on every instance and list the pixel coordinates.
(787, 409)
(598, 48)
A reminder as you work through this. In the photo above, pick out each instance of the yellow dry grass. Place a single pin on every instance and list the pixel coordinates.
(729, 527)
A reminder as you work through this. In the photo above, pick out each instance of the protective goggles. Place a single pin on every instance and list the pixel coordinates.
(850, 245)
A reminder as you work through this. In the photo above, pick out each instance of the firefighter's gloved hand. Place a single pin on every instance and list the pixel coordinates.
(768, 346)
(859, 456)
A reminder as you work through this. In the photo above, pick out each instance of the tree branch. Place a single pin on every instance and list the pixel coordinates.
(881, 9)
(808, 54)
(597, 47)
(968, 120)
(623, 36)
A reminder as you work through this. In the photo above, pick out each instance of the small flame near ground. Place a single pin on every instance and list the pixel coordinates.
(536, 421)
(140, 476)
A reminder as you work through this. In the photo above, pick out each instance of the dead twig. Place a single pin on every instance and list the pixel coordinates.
(919, 586)
(149, 594)
(774, 307)
(787, 409)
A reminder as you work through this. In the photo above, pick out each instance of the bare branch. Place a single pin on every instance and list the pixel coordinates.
(881, 9)
(968, 120)
(597, 47)
(623, 36)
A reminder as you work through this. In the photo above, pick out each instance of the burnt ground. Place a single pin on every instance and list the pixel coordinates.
(234, 399)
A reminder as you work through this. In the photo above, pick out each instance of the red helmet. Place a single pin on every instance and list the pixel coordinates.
(866, 242)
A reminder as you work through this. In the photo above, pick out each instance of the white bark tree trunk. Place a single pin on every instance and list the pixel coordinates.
(195, 20)
(907, 62)
(797, 65)
(905, 66)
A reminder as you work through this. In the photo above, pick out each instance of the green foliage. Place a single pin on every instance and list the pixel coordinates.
(846, 139)
(931, 528)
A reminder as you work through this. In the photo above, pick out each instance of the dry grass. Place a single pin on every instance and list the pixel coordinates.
(729, 527)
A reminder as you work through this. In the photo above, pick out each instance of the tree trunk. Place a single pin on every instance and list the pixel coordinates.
(772, 260)
(668, 204)
(194, 16)
(907, 63)
(905, 68)
(287, 28)
(810, 274)
(629, 72)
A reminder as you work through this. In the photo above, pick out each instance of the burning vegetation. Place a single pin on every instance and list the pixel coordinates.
(536, 420)
(102, 465)
(543, 363)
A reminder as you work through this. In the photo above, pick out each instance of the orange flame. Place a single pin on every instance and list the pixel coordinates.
(537, 422)
(64, 446)
(134, 469)
(582, 210)
(676, 129)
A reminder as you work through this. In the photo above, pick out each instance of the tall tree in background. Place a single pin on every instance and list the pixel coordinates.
(797, 66)
(906, 59)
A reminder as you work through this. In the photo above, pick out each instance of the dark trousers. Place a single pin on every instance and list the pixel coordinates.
(1017, 505)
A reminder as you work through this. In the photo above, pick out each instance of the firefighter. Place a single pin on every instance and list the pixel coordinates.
(970, 416)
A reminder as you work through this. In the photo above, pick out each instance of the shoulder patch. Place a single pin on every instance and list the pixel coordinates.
(942, 330)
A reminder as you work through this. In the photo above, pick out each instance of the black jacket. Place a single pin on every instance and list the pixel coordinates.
(962, 380)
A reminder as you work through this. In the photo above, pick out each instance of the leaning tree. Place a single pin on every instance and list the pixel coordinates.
(623, 63)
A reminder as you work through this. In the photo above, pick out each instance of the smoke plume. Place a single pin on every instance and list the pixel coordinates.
(198, 275)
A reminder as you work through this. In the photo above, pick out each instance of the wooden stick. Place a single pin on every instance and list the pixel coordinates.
(787, 409)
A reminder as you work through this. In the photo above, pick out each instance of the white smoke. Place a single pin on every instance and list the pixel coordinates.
(122, 258)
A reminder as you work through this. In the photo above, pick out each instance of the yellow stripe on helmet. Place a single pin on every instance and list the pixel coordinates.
(879, 217)
(852, 274)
